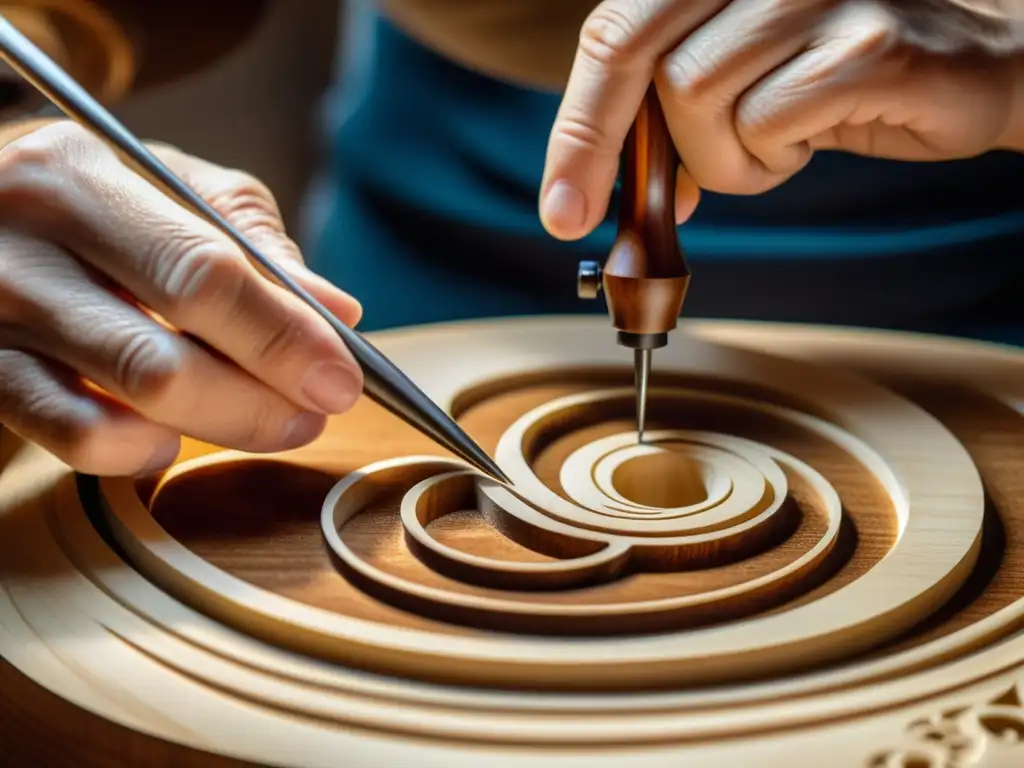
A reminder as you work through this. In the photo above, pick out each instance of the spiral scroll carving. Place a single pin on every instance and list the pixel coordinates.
(753, 532)
(597, 526)
(814, 557)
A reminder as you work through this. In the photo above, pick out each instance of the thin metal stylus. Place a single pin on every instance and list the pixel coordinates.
(642, 365)
(384, 382)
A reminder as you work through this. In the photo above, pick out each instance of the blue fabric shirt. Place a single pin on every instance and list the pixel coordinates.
(432, 215)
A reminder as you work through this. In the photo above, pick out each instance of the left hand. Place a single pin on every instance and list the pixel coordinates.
(751, 88)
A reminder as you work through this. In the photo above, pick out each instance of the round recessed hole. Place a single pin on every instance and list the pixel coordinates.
(666, 480)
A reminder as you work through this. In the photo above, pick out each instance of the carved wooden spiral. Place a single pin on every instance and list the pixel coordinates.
(84, 38)
(815, 555)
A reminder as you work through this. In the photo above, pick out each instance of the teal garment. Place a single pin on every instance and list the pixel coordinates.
(433, 217)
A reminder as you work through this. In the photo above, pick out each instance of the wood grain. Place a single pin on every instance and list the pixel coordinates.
(270, 534)
(243, 637)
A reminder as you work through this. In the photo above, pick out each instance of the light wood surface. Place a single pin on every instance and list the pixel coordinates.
(816, 559)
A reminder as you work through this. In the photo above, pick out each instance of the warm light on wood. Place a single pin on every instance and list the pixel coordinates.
(815, 560)
(83, 38)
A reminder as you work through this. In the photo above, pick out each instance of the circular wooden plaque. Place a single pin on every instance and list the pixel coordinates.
(814, 558)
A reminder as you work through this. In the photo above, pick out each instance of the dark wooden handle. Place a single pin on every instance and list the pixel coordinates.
(650, 165)
(646, 276)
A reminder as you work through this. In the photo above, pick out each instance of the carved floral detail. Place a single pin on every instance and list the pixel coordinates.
(960, 738)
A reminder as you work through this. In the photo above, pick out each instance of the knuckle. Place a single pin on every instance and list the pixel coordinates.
(689, 78)
(243, 198)
(40, 171)
(287, 249)
(245, 186)
(189, 270)
(70, 140)
(147, 366)
(23, 158)
(42, 410)
(584, 133)
(38, 284)
(282, 340)
(30, 174)
(609, 36)
(54, 147)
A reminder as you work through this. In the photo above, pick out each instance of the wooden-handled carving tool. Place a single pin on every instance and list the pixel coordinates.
(384, 382)
(645, 277)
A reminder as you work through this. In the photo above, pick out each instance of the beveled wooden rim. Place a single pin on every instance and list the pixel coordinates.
(101, 622)
(934, 553)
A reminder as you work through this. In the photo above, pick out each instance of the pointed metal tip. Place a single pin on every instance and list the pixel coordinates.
(642, 365)
(488, 466)
(496, 474)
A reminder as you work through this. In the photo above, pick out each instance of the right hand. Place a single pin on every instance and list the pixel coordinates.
(127, 321)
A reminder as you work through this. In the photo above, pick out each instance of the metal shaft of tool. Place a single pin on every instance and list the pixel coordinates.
(384, 382)
(642, 365)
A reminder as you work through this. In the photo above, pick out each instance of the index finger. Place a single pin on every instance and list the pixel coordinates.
(180, 267)
(620, 46)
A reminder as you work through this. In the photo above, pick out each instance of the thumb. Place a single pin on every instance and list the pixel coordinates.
(249, 205)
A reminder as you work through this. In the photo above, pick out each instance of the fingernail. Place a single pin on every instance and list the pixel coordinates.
(565, 208)
(161, 460)
(302, 430)
(331, 387)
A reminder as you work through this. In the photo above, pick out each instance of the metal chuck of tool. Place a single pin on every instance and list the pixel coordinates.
(645, 277)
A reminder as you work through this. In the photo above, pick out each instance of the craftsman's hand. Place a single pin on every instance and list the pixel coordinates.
(127, 321)
(751, 88)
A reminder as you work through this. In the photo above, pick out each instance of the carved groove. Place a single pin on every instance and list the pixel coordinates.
(803, 561)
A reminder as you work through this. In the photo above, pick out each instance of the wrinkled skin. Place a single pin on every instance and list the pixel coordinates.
(752, 88)
(128, 321)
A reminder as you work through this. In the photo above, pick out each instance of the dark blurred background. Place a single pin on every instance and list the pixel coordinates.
(258, 109)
